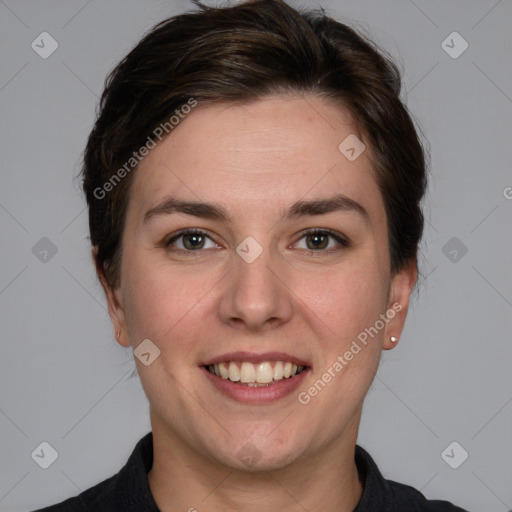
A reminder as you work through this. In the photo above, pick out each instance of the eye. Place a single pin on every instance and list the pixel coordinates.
(189, 240)
(323, 240)
(316, 241)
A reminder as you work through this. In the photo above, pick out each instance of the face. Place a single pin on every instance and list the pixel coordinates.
(287, 261)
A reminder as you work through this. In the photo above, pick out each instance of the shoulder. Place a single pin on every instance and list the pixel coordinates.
(409, 499)
(382, 495)
(126, 491)
(98, 497)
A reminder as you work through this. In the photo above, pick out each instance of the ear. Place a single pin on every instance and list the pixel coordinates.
(401, 287)
(114, 302)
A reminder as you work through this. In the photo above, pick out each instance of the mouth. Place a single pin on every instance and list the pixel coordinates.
(262, 374)
(255, 379)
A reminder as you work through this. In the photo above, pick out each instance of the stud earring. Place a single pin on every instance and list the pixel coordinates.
(118, 335)
(393, 339)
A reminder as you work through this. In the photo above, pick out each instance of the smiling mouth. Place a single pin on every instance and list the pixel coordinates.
(261, 374)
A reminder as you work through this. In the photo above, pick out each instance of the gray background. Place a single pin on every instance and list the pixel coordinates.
(64, 379)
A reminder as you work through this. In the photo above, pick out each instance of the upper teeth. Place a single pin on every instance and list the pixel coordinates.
(262, 373)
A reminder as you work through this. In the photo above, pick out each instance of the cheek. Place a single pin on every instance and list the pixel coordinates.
(161, 300)
(346, 299)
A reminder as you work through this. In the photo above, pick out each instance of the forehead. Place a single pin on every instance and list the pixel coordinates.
(257, 157)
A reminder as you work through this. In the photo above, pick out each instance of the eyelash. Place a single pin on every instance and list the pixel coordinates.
(342, 241)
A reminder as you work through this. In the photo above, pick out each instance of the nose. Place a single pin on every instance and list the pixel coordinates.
(257, 296)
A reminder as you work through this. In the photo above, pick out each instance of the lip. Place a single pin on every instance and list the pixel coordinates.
(256, 395)
(256, 358)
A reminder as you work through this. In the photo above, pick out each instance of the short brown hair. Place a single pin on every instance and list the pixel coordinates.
(240, 54)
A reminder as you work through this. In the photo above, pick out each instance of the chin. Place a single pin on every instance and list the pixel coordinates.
(263, 454)
(251, 459)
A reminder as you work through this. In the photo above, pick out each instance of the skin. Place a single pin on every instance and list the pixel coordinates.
(256, 160)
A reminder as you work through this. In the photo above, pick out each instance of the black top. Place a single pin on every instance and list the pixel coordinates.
(128, 490)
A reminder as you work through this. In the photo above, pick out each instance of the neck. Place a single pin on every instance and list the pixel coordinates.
(182, 479)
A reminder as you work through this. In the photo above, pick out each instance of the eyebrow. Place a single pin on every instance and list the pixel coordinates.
(216, 211)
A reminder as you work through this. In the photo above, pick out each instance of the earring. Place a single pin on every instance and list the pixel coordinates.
(118, 335)
(393, 339)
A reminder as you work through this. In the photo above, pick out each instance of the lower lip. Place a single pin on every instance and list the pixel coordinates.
(256, 395)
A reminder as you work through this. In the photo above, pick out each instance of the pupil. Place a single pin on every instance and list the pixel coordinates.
(196, 241)
(321, 238)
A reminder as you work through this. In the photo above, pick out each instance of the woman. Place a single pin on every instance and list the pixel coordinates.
(254, 188)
